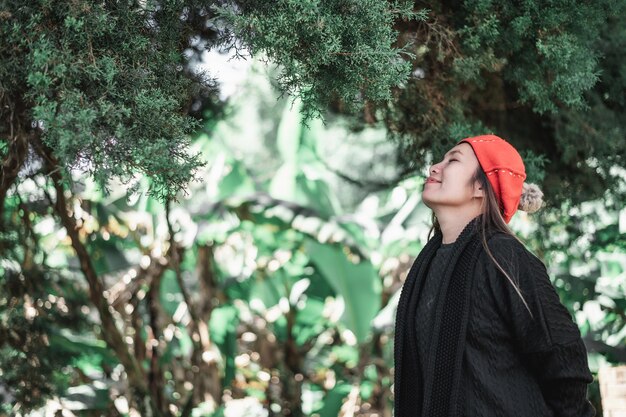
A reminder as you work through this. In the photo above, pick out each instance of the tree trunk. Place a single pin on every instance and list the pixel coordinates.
(208, 378)
(11, 165)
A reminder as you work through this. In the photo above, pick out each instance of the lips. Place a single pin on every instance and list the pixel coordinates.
(431, 179)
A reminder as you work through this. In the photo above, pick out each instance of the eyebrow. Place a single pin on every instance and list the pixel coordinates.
(453, 152)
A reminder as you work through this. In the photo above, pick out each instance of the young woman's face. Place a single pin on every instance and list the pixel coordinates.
(450, 182)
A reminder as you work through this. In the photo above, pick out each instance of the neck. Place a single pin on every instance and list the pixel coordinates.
(453, 223)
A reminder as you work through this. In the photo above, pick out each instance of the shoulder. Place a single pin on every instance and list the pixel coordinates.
(501, 242)
(514, 257)
(505, 247)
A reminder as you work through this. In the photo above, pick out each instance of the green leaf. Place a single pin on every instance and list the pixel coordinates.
(236, 183)
(367, 388)
(310, 321)
(169, 292)
(348, 355)
(223, 330)
(283, 184)
(86, 397)
(66, 341)
(358, 284)
(108, 255)
(334, 399)
(317, 195)
(289, 132)
(267, 289)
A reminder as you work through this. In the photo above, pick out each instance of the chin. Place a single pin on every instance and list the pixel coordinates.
(427, 202)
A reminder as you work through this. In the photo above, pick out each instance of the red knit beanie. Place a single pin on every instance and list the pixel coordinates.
(504, 168)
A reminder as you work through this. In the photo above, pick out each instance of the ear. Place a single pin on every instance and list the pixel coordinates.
(478, 191)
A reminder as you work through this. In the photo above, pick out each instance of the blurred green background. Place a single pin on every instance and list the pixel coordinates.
(188, 234)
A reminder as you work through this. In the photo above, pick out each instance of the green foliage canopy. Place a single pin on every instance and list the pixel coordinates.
(102, 85)
(546, 76)
(328, 51)
(107, 87)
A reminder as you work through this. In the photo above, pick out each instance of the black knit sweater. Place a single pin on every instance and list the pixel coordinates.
(428, 301)
(488, 356)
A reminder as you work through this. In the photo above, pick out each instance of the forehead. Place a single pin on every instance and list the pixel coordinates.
(463, 149)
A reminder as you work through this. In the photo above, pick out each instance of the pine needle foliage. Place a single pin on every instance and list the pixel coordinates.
(108, 86)
(546, 51)
(328, 50)
(546, 76)
(102, 85)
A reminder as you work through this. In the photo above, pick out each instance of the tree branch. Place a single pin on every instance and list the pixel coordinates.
(206, 380)
(110, 333)
(11, 166)
(155, 374)
(175, 261)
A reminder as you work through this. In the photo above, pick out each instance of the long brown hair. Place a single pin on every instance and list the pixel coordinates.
(490, 222)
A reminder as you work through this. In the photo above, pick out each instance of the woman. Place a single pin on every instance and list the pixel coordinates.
(480, 330)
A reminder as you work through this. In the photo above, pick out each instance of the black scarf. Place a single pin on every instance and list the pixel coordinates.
(442, 373)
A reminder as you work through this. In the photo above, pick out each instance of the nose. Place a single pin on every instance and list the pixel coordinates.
(434, 169)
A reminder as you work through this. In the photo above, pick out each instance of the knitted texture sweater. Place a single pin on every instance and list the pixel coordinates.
(489, 355)
(427, 301)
